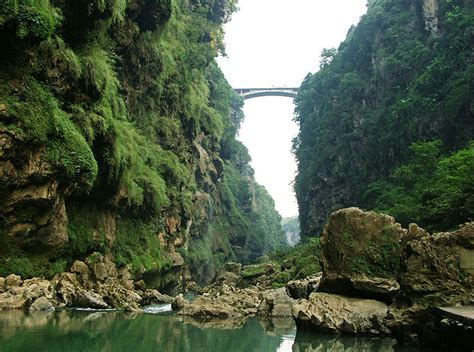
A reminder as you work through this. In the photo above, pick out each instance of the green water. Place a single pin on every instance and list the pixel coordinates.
(67, 331)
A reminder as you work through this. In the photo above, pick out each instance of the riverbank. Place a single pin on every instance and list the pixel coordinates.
(378, 279)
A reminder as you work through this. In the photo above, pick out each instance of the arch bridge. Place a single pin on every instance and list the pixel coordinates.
(249, 93)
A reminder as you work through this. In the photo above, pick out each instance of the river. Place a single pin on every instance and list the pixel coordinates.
(158, 330)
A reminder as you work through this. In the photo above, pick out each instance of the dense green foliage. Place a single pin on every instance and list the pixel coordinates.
(138, 126)
(297, 262)
(402, 76)
(432, 190)
(245, 219)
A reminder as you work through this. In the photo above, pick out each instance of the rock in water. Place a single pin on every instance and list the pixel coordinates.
(361, 254)
(275, 303)
(89, 299)
(337, 314)
(41, 303)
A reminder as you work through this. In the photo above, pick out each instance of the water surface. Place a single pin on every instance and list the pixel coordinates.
(120, 331)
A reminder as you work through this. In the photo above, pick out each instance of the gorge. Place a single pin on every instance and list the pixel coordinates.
(124, 186)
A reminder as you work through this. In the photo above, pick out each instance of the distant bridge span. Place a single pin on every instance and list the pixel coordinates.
(249, 93)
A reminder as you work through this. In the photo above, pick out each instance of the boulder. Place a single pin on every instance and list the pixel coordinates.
(205, 307)
(386, 287)
(41, 303)
(37, 288)
(302, 288)
(178, 302)
(101, 267)
(275, 303)
(67, 286)
(154, 297)
(12, 301)
(438, 269)
(223, 302)
(118, 296)
(2, 285)
(88, 299)
(361, 254)
(13, 281)
(125, 277)
(81, 269)
(340, 314)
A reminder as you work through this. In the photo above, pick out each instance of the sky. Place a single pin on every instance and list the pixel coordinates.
(277, 43)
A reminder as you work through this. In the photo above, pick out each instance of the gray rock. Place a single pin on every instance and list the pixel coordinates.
(42, 303)
(275, 303)
(302, 288)
(339, 314)
(155, 297)
(89, 299)
(388, 287)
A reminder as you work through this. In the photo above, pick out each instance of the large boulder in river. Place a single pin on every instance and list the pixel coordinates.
(439, 269)
(361, 254)
(340, 314)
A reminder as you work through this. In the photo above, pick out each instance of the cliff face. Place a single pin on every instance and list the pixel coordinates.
(117, 135)
(403, 75)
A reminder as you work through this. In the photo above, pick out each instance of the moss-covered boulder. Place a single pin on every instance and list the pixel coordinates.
(361, 254)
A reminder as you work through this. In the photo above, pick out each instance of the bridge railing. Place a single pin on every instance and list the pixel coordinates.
(249, 93)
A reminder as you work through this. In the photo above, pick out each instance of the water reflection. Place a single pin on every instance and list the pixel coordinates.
(120, 331)
(310, 342)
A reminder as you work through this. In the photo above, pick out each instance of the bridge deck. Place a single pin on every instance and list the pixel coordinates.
(248, 93)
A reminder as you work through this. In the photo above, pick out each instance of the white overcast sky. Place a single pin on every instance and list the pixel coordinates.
(276, 43)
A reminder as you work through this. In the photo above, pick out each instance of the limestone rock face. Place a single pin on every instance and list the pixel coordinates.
(430, 16)
(360, 253)
(32, 209)
(337, 314)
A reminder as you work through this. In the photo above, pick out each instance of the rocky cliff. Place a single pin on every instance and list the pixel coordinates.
(117, 136)
(403, 77)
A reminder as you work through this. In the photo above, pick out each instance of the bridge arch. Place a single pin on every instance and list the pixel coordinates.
(249, 93)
